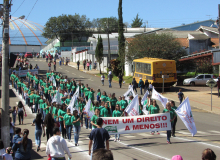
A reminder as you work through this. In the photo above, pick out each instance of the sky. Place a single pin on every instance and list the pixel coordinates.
(155, 13)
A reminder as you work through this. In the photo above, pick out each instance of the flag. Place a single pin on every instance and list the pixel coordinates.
(130, 92)
(162, 99)
(89, 109)
(73, 105)
(185, 114)
(133, 108)
(144, 97)
(57, 98)
(52, 79)
(77, 92)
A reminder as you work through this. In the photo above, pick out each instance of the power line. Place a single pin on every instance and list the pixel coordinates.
(18, 7)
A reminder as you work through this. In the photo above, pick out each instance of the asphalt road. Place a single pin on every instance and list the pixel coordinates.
(144, 145)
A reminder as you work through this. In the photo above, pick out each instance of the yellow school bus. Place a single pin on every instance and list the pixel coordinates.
(152, 69)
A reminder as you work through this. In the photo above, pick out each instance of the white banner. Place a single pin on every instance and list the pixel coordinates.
(162, 99)
(130, 92)
(144, 97)
(57, 97)
(89, 109)
(184, 112)
(52, 79)
(23, 73)
(133, 108)
(137, 124)
(73, 105)
(77, 92)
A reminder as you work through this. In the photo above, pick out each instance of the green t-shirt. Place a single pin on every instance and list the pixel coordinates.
(62, 86)
(23, 85)
(113, 101)
(73, 88)
(57, 78)
(32, 98)
(41, 101)
(28, 74)
(54, 112)
(53, 92)
(74, 119)
(94, 120)
(82, 89)
(91, 95)
(41, 81)
(36, 81)
(116, 113)
(105, 112)
(48, 75)
(172, 113)
(100, 108)
(67, 101)
(86, 91)
(154, 110)
(99, 94)
(174, 108)
(123, 104)
(104, 98)
(81, 105)
(18, 83)
(61, 113)
(36, 99)
(44, 105)
(31, 77)
(68, 119)
(46, 90)
(47, 109)
(68, 85)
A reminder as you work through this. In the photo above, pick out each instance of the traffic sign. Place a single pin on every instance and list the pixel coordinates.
(211, 83)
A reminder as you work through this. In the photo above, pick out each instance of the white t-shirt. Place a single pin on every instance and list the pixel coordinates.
(150, 86)
(102, 77)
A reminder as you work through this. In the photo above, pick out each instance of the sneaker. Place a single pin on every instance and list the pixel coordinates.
(75, 144)
(119, 140)
(168, 142)
(152, 133)
(174, 135)
(158, 133)
(115, 140)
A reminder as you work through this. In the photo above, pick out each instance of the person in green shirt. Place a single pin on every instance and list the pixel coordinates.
(31, 79)
(86, 91)
(48, 107)
(41, 102)
(81, 106)
(140, 106)
(173, 107)
(154, 109)
(104, 96)
(19, 86)
(148, 102)
(58, 79)
(68, 123)
(76, 126)
(44, 105)
(32, 96)
(94, 118)
(68, 86)
(61, 113)
(130, 99)
(106, 111)
(67, 101)
(62, 85)
(73, 89)
(55, 112)
(46, 92)
(113, 100)
(82, 90)
(91, 95)
(117, 113)
(172, 117)
(98, 96)
(123, 103)
(36, 101)
(48, 75)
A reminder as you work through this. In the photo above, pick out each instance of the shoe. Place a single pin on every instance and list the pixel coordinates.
(38, 149)
(158, 133)
(75, 144)
(119, 140)
(152, 133)
(115, 140)
(168, 142)
(174, 135)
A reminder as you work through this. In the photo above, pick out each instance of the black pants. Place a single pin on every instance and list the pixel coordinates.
(84, 66)
(54, 67)
(134, 88)
(49, 132)
(174, 126)
(120, 82)
(63, 129)
(87, 68)
(78, 67)
(20, 116)
(19, 90)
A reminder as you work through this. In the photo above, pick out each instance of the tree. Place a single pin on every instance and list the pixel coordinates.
(121, 38)
(101, 24)
(156, 46)
(99, 52)
(137, 22)
(66, 26)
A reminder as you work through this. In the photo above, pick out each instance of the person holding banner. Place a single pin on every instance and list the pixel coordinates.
(117, 113)
(105, 112)
(94, 118)
(172, 117)
(76, 126)
(148, 102)
(154, 109)
(113, 100)
(123, 103)
(173, 107)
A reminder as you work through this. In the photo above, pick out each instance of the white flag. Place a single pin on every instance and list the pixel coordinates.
(185, 114)
(52, 79)
(130, 92)
(73, 105)
(58, 98)
(133, 108)
(77, 92)
(162, 99)
(89, 109)
(144, 97)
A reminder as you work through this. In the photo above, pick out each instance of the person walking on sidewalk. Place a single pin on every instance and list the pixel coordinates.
(84, 64)
(54, 65)
(134, 84)
(110, 79)
(218, 87)
(39, 125)
(146, 85)
(102, 79)
(141, 85)
(78, 63)
(120, 79)
(181, 96)
(76, 126)
(87, 65)
(20, 111)
(49, 66)
(56, 146)
(98, 137)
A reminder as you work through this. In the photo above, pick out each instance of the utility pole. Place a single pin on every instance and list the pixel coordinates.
(5, 130)
(109, 54)
(219, 26)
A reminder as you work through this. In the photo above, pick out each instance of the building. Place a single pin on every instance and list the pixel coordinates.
(25, 36)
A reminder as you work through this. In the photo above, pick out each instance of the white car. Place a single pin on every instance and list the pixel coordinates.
(201, 79)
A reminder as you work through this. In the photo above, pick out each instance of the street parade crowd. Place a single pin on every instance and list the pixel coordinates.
(53, 118)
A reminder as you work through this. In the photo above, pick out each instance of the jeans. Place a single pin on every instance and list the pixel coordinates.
(11, 137)
(134, 88)
(141, 90)
(180, 100)
(20, 116)
(53, 158)
(117, 135)
(174, 127)
(68, 129)
(82, 95)
(36, 87)
(36, 107)
(60, 63)
(169, 133)
(81, 117)
(38, 134)
(86, 123)
(109, 81)
(14, 118)
(19, 90)
(76, 130)
(27, 101)
(103, 82)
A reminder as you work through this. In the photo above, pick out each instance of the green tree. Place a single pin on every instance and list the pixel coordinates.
(66, 26)
(121, 38)
(101, 24)
(137, 22)
(156, 46)
(99, 52)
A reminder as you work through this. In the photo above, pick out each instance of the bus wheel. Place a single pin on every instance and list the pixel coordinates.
(192, 83)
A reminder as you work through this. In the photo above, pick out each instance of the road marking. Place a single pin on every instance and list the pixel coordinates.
(60, 68)
(182, 132)
(129, 136)
(73, 73)
(90, 80)
(72, 145)
(81, 76)
(144, 151)
(215, 132)
(200, 132)
(144, 134)
(67, 71)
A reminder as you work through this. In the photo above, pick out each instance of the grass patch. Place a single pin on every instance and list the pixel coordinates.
(127, 79)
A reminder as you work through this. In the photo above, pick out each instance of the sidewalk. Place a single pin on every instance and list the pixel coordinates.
(81, 68)
(200, 100)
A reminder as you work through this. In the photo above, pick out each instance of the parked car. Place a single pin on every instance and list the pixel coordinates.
(200, 79)
(28, 55)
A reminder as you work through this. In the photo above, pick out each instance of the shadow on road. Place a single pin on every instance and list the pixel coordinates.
(11, 93)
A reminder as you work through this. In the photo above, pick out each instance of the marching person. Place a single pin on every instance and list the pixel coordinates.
(117, 113)
(76, 126)
(67, 121)
(141, 85)
(94, 118)
(173, 107)
(154, 109)
(56, 146)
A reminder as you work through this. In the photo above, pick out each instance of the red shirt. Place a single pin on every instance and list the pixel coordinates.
(49, 64)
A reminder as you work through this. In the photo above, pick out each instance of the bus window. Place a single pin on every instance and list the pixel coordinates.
(138, 67)
(147, 68)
